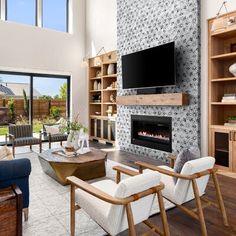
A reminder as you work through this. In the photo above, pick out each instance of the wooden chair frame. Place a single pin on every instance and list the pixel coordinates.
(50, 141)
(11, 137)
(77, 183)
(196, 213)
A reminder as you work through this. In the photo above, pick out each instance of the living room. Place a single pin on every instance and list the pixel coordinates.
(117, 117)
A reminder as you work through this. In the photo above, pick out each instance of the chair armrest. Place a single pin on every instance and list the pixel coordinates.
(13, 169)
(94, 191)
(40, 135)
(108, 198)
(10, 136)
(171, 173)
(123, 170)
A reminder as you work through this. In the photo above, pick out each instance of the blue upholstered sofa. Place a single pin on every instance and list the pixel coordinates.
(17, 172)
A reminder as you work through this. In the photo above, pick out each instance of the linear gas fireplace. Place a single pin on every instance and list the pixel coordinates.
(152, 131)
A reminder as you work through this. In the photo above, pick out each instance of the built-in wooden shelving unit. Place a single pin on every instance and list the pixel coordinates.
(102, 126)
(221, 55)
(167, 99)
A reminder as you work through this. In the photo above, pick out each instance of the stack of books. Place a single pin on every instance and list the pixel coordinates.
(229, 97)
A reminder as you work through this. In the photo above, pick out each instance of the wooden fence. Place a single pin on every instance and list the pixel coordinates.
(41, 107)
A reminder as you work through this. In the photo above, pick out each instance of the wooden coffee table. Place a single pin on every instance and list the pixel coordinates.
(86, 166)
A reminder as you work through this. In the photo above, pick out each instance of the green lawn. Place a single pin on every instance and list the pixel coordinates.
(3, 130)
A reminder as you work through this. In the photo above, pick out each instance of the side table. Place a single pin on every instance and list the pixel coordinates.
(11, 203)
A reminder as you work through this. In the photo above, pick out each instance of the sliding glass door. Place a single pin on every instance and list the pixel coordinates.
(32, 99)
(50, 100)
(14, 97)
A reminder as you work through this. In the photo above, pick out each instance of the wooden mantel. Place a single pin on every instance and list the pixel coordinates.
(165, 99)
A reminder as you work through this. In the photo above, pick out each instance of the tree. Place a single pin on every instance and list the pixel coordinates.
(11, 108)
(63, 91)
(26, 104)
(46, 97)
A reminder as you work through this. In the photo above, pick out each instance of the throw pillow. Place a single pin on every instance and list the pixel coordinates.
(52, 129)
(5, 153)
(184, 156)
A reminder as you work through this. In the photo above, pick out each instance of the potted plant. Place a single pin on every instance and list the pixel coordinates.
(74, 129)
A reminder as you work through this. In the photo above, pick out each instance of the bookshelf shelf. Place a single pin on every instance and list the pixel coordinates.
(102, 127)
(222, 85)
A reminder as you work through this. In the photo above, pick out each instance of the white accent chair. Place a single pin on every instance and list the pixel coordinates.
(189, 185)
(119, 206)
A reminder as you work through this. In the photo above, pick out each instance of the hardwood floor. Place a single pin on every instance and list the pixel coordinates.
(180, 224)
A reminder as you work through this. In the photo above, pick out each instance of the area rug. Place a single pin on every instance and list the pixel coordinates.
(50, 204)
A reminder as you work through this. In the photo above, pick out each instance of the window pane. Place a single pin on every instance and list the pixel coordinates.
(52, 101)
(22, 11)
(55, 14)
(14, 101)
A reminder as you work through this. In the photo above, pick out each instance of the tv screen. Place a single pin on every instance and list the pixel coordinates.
(153, 67)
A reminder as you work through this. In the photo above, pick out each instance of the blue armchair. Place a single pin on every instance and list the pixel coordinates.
(17, 172)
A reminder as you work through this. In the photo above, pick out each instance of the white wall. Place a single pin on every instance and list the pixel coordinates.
(31, 49)
(209, 8)
(100, 26)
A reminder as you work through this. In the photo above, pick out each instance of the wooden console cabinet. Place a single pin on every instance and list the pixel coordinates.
(221, 55)
(223, 148)
(102, 84)
(10, 211)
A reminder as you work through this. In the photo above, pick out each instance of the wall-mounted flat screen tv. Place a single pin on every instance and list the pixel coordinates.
(153, 67)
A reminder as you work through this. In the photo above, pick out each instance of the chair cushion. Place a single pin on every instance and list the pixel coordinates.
(5, 153)
(113, 217)
(169, 186)
(17, 172)
(58, 137)
(52, 129)
(182, 191)
(26, 141)
(136, 184)
(97, 209)
(169, 183)
(141, 208)
(184, 156)
(183, 188)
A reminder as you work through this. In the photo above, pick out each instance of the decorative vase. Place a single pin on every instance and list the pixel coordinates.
(111, 69)
(83, 139)
(99, 86)
(232, 69)
(95, 85)
(72, 140)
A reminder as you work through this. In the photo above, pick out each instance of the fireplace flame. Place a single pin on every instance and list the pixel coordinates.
(156, 136)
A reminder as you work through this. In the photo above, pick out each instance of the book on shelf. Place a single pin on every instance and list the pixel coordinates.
(229, 124)
(228, 100)
(230, 95)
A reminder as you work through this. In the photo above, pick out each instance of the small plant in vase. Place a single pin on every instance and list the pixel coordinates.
(74, 129)
(232, 119)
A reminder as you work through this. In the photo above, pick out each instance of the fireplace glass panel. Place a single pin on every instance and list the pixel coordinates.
(151, 131)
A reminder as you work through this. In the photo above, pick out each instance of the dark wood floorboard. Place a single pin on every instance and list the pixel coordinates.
(180, 224)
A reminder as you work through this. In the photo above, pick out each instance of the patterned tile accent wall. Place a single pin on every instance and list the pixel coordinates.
(147, 23)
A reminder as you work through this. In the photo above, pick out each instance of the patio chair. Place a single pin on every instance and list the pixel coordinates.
(51, 132)
(119, 206)
(22, 135)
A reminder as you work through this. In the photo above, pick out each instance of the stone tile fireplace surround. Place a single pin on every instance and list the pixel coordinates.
(143, 24)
